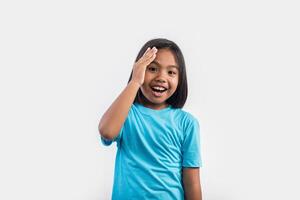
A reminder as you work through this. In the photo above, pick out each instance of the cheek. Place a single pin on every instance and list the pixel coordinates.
(148, 76)
(174, 83)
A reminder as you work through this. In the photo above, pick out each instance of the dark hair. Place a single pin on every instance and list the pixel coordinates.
(178, 99)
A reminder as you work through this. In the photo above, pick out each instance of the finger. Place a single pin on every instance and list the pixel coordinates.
(152, 58)
(147, 50)
(151, 50)
(147, 61)
(154, 49)
(150, 53)
(147, 55)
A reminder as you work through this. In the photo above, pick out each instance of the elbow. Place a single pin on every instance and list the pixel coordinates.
(105, 133)
(102, 131)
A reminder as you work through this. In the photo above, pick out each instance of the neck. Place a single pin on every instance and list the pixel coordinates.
(145, 102)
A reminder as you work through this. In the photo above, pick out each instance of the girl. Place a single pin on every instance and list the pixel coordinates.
(158, 143)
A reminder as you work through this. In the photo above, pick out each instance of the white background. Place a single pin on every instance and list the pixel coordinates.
(64, 62)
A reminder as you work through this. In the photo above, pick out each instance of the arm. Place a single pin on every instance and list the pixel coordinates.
(114, 118)
(191, 184)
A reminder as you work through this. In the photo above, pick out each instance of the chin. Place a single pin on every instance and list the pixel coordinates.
(151, 99)
(156, 101)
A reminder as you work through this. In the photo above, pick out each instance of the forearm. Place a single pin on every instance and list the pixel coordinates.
(115, 116)
(193, 192)
(191, 184)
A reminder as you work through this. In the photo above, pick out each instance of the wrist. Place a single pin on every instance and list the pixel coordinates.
(135, 84)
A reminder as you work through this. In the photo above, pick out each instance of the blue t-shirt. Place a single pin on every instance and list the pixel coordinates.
(153, 146)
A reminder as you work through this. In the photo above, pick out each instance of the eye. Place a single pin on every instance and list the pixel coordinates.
(152, 68)
(172, 72)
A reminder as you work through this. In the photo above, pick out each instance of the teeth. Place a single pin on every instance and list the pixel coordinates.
(159, 88)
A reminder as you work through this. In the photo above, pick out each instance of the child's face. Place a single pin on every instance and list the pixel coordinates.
(161, 79)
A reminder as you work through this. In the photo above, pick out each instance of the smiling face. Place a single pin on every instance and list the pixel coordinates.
(161, 80)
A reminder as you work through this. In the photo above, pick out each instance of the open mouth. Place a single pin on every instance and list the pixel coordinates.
(158, 90)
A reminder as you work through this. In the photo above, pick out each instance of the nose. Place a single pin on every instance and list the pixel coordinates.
(160, 78)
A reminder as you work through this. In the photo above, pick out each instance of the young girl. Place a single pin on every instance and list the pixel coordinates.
(158, 143)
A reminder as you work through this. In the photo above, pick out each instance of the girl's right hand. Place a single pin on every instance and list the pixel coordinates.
(139, 68)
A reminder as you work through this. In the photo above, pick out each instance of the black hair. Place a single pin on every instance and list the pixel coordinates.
(178, 99)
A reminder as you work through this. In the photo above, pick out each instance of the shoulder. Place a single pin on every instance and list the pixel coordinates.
(186, 118)
(185, 115)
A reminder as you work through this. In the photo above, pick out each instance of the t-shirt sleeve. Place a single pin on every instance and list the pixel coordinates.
(117, 139)
(107, 142)
(191, 145)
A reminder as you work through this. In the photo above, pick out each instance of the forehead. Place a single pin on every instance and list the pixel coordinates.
(165, 58)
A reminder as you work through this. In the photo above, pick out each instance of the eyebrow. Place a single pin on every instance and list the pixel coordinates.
(173, 66)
